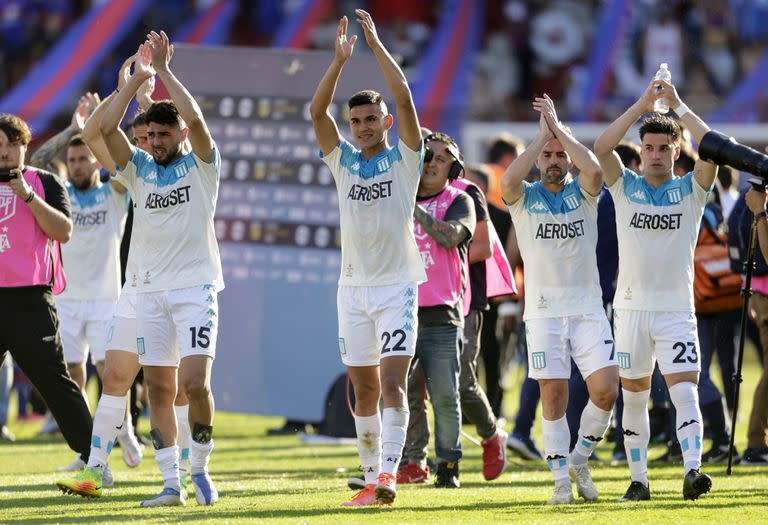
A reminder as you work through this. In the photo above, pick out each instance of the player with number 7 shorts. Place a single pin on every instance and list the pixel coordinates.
(556, 223)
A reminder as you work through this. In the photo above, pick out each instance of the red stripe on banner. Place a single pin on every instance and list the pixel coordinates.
(447, 71)
(95, 35)
(208, 19)
(301, 36)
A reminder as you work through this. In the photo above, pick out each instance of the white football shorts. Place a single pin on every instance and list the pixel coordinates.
(121, 334)
(553, 342)
(83, 326)
(377, 322)
(174, 324)
(644, 336)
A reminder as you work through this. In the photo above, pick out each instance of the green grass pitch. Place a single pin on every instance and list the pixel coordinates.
(280, 480)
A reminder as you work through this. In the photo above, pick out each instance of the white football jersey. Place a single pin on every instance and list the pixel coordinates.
(91, 258)
(657, 229)
(174, 213)
(557, 236)
(376, 203)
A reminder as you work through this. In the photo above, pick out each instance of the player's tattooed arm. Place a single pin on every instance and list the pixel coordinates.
(447, 234)
(50, 149)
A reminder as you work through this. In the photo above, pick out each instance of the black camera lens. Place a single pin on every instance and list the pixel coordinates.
(721, 149)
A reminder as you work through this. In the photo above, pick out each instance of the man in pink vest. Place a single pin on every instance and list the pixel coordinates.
(445, 222)
(34, 218)
(482, 254)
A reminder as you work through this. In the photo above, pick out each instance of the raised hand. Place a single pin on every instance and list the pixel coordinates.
(125, 71)
(544, 130)
(80, 115)
(546, 107)
(161, 48)
(344, 47)
(91, 101)
(369, 28)
(142, 67)
(669, 93)
(650, 95)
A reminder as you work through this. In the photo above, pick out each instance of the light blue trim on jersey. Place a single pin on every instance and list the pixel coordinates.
(353, 161)
(161, 176)
(671, 193)
(539, 200)
(422, 150)
(215, 160)
(94, 196)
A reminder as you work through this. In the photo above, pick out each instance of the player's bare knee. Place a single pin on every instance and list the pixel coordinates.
(605, 396)
(196, 388)
(554, 395)
(115, 381)
(367, 395)
(392, 388)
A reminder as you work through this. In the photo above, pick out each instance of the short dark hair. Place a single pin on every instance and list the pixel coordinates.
(15, 128)
(140, 119)
(367, 96)
(163, 112)
(76, 140)
(502, 145)
(628, 152)
(441, 137)
(661, 124)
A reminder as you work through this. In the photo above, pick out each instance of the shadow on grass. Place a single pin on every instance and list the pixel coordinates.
(513, 509)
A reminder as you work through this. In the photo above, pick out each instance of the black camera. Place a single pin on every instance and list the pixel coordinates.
(721, 149)
(6, 175)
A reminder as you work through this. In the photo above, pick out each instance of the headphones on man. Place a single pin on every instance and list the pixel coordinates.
(457, 167)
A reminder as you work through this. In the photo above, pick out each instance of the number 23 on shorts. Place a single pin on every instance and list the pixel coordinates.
(685, 352)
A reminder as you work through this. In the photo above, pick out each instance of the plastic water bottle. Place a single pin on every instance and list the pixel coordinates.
(662, 74)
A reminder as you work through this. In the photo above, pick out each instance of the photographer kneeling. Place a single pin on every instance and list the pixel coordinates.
(34, 219)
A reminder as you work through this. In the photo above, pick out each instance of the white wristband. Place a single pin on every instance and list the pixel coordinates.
(681, 110)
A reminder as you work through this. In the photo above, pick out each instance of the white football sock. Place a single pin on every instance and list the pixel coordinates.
(109, 417)
(168, 462)
(594, 423)
(368, 430)
(183, 437)
(685, 397)
(393, 429)
(199, 456)
(557, 439)
(637, 433)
